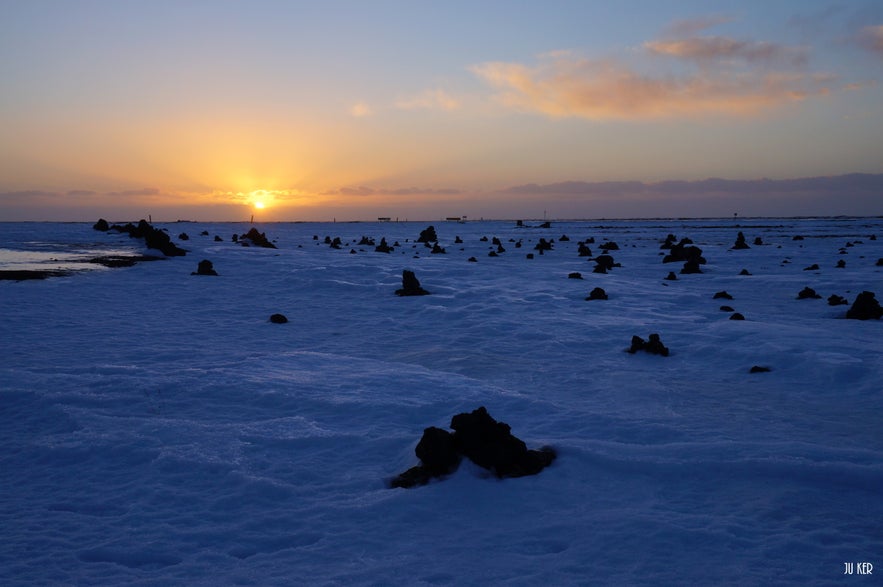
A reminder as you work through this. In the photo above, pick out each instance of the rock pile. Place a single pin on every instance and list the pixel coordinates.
(865, 307)
(478, 437)
(653, 346)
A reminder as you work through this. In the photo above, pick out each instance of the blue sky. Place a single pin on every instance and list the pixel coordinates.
(422, 109)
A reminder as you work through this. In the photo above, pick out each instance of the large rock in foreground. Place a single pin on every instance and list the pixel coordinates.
(480, 438)
(865, 307)
(410, 285)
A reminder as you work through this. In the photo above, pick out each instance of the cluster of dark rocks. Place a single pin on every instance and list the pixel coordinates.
(480, 438)
(154, 238)
(256, 238)
(653, 346)
(684, 251)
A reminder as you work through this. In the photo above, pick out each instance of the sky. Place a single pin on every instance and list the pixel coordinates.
(336, 110)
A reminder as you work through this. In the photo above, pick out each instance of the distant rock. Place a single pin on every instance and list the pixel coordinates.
(835, 300)
(438, 250)
(727, 309)
(383, 247)
(740, 242)
(477, 436)
(154, 238)
(584, 250)
(609, 246)
(841, 264)
(722, 295)
(575, 275)
(684, 251)
(671, 276)
(653, 346)
(410, 285)
(759, 369)
(691, 267)
(205, 267)
(218, 239)
(101, 225)
(258, 239)
(597, 294)
(543, 245)
(564, 238)
(183, 237)
(428, 235)
(813, 267)
(278, 319)
(797, 238)
(879, 262)
(737, 316)
(808, 293)
(605, 262)
(745, 272)
(865, 307)
(758, 241)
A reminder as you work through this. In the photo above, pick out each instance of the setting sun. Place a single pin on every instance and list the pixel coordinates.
(259, 205)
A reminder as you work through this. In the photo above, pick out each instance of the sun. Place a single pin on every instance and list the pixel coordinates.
(259, 205)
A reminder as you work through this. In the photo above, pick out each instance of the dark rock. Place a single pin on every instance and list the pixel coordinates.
(653, 346)
(183, 237)
(759, 369)
(258, 239)
(740, 242)
(691, 267)
(480, 438)
(437, 450)
(458, 240)
(543, 245)
(366, 242)
(530, 255)
(205, 268)
(154, 238)
(491, 445)
(609, 246)
(813, 267)
(597, 294)
(722, 295)
(727, 309)
(584, 251)
(428, 235)
(865, 307)
(797, 238)
(564, 238)
(545, 225)
(278, 319)
(758, 241)
(101, 225)
(669, 242)
(745, 272)
(575, 275)
(835, 300)
(737, 316)
(500, 249)
(218, 239)
(438, 250)
(383, 247)
(472, 260)
(410, 285)
(841, 264)
(684, 251)
(879, 262)
(671, 276)
(492, 254)
(808, 293)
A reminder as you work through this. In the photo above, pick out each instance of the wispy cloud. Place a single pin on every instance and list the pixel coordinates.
(871, 38)
(691, 26)
(361, 191)
(360, 110)
(133, 193)
(707, 50)
(429, 100)
(691, 77)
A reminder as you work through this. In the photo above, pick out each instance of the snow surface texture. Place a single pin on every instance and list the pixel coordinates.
(156, 428)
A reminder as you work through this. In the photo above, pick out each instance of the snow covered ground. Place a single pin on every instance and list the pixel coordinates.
(157, 429)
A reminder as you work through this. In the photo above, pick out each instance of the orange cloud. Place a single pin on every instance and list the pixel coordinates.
(708, 49)
(607, 90)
